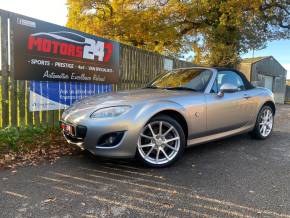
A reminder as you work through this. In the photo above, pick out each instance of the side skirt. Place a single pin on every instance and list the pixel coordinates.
(209, 138)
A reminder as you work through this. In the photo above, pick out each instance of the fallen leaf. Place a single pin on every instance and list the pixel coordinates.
(49, 200)
(7, 157)
(46, 149)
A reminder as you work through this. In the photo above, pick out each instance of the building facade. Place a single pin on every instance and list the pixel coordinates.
(287, 96)
(266, 72)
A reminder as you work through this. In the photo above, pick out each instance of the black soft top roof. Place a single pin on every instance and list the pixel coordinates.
(248, 85)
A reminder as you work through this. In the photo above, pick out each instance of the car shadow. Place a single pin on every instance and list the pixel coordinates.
(190, 152)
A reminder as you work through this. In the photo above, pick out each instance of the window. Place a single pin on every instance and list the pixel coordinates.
(230, 77)
(195, 79)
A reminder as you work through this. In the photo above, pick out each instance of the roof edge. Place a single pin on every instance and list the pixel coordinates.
(263, 58)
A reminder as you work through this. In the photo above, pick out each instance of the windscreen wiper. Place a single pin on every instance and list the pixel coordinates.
(181, 88)
(151, 87)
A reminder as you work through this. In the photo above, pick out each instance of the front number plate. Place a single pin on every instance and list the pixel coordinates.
(68, 129)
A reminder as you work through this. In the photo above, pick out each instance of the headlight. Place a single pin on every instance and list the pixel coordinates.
(110, 112)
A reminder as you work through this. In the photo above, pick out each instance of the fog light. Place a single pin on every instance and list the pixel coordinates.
(110, 139)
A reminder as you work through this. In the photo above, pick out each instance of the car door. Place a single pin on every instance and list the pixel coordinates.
(232, 110)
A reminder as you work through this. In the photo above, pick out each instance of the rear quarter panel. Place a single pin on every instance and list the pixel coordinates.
(261, 96)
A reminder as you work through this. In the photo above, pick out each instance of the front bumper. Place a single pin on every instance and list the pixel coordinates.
(96, 129)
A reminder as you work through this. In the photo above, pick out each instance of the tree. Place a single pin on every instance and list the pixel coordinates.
(218, 31)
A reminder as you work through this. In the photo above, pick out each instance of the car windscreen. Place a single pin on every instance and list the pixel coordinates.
(182, 79)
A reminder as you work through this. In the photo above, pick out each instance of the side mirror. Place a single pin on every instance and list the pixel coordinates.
(227, 88)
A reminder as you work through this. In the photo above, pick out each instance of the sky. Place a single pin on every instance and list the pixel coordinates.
(55, 11)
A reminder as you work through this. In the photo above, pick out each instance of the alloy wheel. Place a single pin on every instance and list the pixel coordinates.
(159, 142)
(266, 122)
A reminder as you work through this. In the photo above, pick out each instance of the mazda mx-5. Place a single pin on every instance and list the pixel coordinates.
(178, 109)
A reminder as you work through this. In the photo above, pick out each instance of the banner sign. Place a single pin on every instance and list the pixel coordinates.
(45, 95)
(45, 51)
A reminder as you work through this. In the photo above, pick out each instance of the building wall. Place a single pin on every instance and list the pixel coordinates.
(260, 71)
(287, 96)
(245, 68)
(270, 67)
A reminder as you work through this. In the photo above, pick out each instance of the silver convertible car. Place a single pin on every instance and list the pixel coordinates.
(178, 109)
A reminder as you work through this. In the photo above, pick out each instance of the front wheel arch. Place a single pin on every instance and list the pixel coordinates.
(177, 116)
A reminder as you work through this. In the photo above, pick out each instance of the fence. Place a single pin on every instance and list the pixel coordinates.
(287, 96)
(137, 67)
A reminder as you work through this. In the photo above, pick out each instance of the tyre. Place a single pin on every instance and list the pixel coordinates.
(161, 142)
(264, 123)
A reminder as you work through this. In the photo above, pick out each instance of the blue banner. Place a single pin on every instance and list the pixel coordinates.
(46, 95)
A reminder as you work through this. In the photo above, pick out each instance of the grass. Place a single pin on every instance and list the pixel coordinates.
(25, 138)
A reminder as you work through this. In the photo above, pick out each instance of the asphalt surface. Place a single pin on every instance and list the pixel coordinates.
(236, 177)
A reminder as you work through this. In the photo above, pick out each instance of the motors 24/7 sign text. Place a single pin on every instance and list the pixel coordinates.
(44, 51)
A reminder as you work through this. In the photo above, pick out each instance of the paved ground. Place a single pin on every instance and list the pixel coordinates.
(237, 177)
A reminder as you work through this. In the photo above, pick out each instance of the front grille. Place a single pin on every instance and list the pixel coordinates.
(73, 139)
(80, 134)
(81, 131)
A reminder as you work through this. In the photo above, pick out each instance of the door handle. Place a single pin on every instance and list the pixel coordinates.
(246, 96)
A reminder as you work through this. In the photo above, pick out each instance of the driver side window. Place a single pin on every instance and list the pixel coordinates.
(230, 77)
